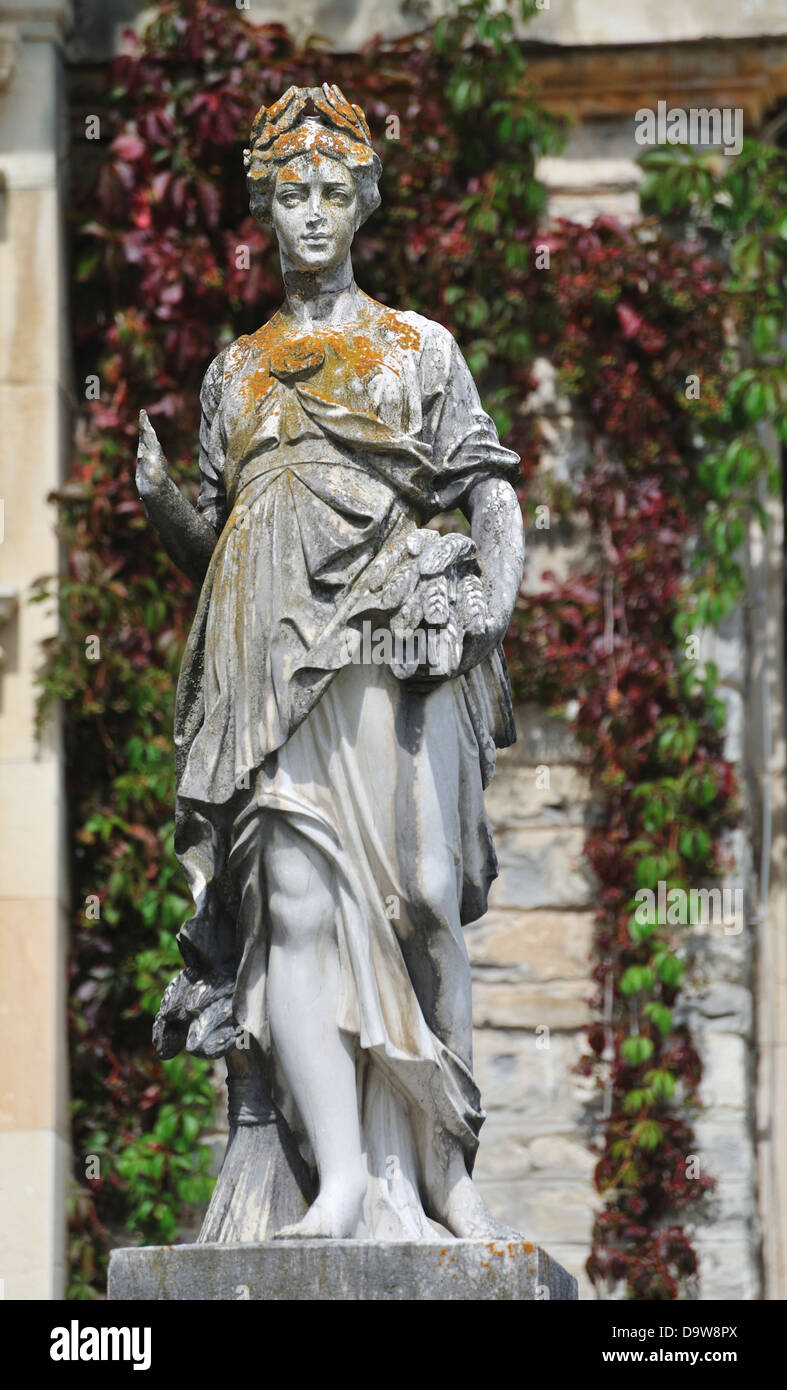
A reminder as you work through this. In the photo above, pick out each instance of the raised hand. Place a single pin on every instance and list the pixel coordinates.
(186, 536)
(151, 472)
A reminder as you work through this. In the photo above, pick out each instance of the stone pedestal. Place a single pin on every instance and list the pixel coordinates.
(340, 1271)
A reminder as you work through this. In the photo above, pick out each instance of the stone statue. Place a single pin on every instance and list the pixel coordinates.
(341, 700)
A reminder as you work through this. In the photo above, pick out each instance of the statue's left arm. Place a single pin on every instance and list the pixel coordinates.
(496, 524)
(185, 535)
(188, 534)
(473, 471)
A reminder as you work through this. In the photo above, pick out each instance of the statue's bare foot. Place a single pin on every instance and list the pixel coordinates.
(467, 1216)
(453, 1198)
(334, 1215)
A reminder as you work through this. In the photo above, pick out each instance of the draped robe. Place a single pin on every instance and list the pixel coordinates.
(320, 452)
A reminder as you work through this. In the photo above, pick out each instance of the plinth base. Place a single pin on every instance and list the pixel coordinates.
(340, 1270)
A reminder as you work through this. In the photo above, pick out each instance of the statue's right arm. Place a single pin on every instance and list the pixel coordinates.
(187, 537)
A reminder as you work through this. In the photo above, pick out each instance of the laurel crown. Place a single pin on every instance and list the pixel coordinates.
(326, 105)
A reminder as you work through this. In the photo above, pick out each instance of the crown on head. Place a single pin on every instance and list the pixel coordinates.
(324, 106)
(310, 120)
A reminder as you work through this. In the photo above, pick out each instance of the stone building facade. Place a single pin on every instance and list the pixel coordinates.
(599, 63)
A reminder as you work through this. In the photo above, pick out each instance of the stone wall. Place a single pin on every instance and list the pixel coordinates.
(719, 1009)
(531, 955)
(531, 971)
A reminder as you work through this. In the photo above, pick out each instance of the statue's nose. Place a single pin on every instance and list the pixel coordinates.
(316, 211)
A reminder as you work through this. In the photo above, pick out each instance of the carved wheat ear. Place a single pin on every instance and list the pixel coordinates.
(332, 102)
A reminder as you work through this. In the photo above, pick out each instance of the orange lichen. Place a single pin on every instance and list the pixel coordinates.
(360, 347)
(305, 120)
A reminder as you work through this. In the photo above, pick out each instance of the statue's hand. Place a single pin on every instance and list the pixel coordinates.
(151, 463)
(478, 645)
(187, 537)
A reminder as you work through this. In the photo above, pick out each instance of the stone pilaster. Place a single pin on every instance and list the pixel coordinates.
(34, 1149)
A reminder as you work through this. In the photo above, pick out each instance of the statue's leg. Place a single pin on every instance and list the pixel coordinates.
(452, 1197)
(439, 967)
(435, 953)
(316, 1058)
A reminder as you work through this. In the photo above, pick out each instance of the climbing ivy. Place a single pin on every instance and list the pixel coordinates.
(675, 360)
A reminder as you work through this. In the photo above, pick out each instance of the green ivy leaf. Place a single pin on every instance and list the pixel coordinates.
(671, 971)
(647, 1134)
(636, 979)
(636, 1050)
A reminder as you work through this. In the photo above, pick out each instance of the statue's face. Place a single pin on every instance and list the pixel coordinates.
(315, 212)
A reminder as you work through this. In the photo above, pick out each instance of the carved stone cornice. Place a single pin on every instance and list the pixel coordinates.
(619, 79)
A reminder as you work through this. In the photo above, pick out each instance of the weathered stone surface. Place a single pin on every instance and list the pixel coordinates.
(724, 1143)
(716, 956)
(531, 1074)
(728, 1261)
(735, 852)
(36, 1165)
(375, 793)
(551, 1210)
(724, 1078)
(730, 1202)
(723, 646)
(533, 945)
(573, 1257)
(504, 1155)
(263, 1186)
(733, 724)
(541, 738)
(542, 868)
(507, 1154)
(340, 1271)
(722, 1006)
(526, 1004)
(517, 798)
(37, 388)
(582, 206)
(561, 1156)
(582, 189)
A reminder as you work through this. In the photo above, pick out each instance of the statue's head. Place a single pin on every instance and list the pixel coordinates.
(312, 174)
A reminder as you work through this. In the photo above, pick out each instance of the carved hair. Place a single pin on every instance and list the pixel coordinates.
(306, 120)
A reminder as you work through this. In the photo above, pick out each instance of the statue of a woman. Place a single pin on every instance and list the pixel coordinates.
(330, 812)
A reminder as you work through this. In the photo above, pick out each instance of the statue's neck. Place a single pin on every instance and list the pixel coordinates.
(322, 296)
